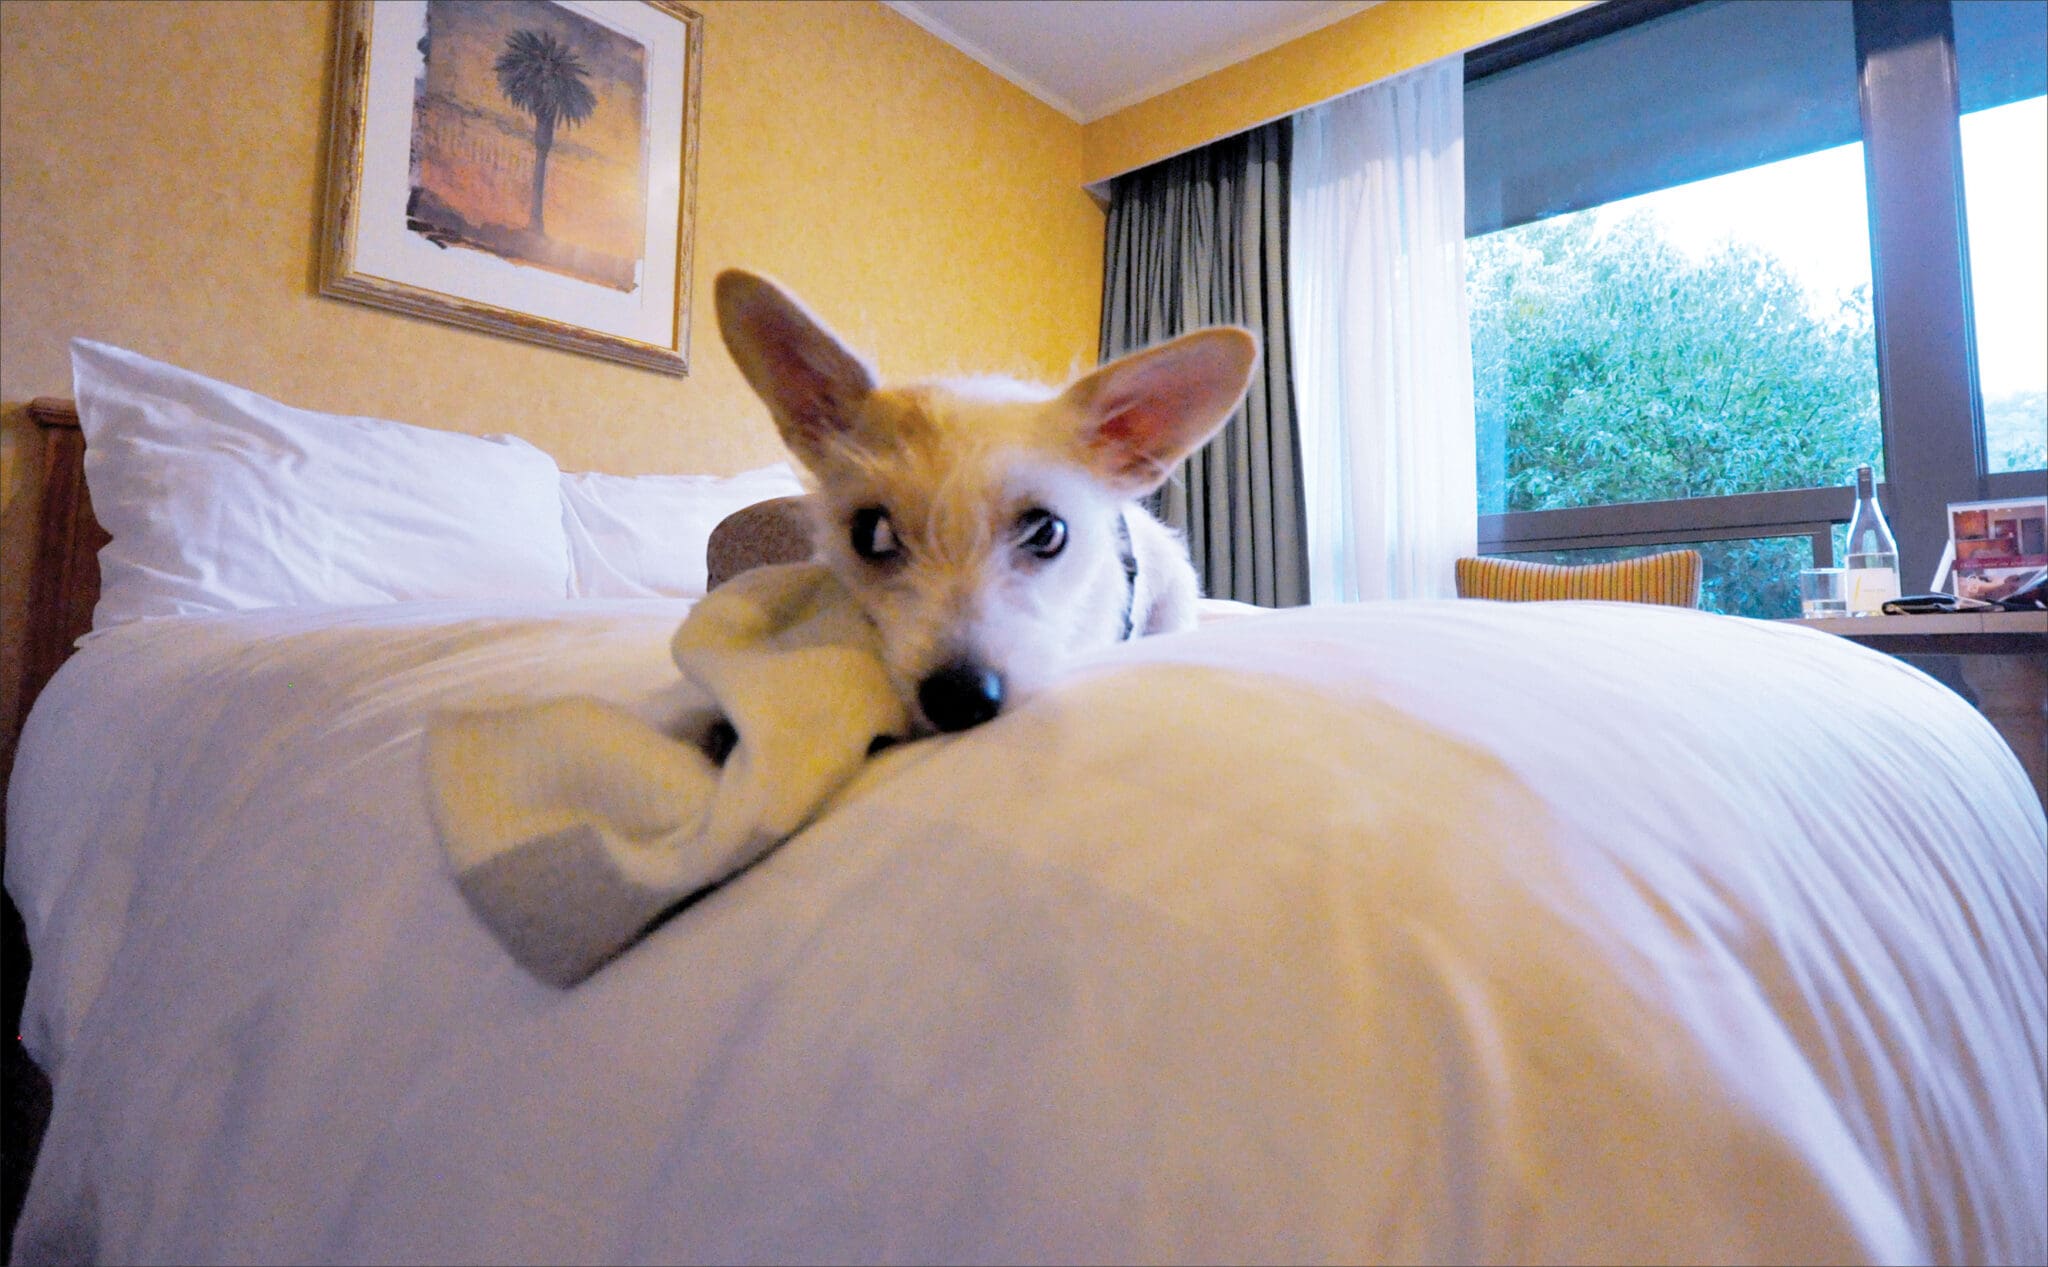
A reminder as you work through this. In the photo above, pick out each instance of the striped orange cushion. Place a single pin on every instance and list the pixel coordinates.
(1671, 578)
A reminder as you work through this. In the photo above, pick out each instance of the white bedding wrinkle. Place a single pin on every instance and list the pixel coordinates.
(644, 536)
(1397, 932)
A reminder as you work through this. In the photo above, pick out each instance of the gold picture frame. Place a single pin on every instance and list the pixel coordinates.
(461, 126)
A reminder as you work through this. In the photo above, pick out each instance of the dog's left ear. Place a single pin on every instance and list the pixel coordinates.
(1142, 413)
(812, 383)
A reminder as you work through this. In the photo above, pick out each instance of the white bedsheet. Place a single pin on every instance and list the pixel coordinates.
(1425, 931)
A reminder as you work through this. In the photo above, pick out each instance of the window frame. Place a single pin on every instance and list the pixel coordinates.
(1909, 103)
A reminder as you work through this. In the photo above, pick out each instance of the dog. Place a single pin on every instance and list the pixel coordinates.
(989, 527)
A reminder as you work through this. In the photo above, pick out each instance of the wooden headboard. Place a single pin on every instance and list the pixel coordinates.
(66, 580)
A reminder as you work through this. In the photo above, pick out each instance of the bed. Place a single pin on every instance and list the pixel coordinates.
(1433, 931)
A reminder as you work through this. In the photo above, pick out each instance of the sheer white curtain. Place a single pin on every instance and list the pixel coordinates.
(1382, 345)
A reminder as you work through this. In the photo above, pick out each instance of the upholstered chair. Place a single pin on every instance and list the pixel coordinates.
(1671, 578)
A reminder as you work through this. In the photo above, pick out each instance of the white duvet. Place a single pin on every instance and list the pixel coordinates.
(1417, 932)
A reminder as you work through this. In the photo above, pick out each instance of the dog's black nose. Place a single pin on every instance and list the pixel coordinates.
(961, 695)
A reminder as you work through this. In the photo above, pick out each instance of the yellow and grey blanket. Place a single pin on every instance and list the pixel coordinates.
(573, 827)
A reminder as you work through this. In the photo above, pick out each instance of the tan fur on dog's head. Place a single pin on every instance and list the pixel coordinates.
(964, 478)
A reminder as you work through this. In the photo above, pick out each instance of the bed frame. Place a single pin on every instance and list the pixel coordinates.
(66, 579)
(62, 590)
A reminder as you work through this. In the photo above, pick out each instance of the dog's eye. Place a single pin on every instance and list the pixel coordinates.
(873, 537)
(1041, 532)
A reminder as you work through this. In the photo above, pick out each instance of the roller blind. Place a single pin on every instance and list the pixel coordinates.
(1706, 90)
(2001, 51)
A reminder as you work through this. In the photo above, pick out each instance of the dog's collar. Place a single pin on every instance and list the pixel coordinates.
(1130, 562)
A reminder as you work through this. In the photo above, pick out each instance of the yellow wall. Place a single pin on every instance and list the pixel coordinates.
(160, 173)
(160, 170)
(1390, 37)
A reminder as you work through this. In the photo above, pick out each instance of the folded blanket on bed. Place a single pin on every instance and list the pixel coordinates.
(574, 827)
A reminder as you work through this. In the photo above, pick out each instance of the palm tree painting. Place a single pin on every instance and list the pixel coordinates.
(543, 76)
(530, 138)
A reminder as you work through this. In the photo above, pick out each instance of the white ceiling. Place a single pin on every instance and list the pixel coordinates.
(1089, 58)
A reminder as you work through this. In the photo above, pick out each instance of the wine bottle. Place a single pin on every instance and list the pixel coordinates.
(1872, 558)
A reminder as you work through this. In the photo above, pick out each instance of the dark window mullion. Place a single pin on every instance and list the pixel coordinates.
(1688, 515)
(2013, 484)
(1821, 534)
(1920, 285)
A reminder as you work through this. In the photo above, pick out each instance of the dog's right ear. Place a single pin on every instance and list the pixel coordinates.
(812, 384)
(1141, 414)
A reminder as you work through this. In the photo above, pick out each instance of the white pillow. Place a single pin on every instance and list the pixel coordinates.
(644, 536)
(219, 499)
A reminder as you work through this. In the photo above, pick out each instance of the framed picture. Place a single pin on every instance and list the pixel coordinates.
(1995, 547)
(521, 167)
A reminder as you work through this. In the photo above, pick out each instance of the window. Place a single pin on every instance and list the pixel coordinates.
(1695, 341)
(1755, 575)
(1703, 290)
(2002, 74)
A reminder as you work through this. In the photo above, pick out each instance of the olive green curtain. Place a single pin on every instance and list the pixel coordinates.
(1201, 239)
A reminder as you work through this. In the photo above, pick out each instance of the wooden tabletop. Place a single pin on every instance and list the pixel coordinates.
(1943, 633)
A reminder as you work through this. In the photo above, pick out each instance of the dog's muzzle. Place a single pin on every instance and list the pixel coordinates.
(960, 696)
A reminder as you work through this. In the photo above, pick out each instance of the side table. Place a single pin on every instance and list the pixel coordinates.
(2004, 658)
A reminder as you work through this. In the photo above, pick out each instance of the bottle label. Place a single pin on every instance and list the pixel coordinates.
(1871, 588)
